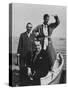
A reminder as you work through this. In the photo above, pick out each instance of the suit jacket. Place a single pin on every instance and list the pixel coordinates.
(25, 45)
(41, 64)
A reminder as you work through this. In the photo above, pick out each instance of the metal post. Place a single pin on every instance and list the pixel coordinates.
(18, 58)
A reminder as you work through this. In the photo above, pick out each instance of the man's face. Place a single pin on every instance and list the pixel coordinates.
(29, 27)
(46, 19)
(38, 45)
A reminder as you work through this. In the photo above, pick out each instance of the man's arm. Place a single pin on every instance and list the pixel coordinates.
(19, 50)
(54, 25)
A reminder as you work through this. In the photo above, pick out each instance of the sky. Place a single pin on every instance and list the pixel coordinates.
(24, 13)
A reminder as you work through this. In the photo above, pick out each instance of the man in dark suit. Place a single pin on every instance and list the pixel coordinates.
(24, 46)
(39, 63)
(45, 31)
(25, 43)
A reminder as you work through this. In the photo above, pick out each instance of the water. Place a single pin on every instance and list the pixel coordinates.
(60, 46)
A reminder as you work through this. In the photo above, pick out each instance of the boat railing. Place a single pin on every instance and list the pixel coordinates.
(53, 74)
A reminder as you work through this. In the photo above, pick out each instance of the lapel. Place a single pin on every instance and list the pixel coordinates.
(41, 29)
(26, 35)
(27, 38)
(37, 57)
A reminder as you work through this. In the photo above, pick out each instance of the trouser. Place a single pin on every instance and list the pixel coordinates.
(52, 53)
(24, 79)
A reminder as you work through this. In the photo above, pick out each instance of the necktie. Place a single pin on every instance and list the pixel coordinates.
(45, 32)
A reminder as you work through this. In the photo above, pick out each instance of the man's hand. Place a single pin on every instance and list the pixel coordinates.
(55, 16)
(29, 71)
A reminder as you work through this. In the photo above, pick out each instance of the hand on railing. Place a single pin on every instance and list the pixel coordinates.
(18, 59)
(29, 71)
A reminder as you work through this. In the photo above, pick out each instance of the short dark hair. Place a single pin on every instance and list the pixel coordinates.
(28, 23)
(45, 15)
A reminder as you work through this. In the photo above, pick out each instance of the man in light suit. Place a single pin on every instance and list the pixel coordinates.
(45, 31)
